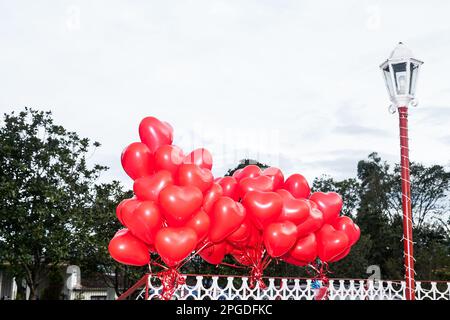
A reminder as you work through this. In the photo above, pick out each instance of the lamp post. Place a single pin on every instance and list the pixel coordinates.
(400, 72)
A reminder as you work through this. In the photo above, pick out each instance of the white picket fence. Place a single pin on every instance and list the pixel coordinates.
(238, 288)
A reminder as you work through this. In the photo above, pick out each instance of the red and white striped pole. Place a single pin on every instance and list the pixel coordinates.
(406, 204)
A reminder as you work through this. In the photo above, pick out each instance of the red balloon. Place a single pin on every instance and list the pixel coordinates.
(193, 175)
(289, 259)
(294, 210)
(313, 223)
(175, 244)
(137, 160)
(276, 175)
(305, 249)
(144, 221)
(329, 203)
(230, 187)
(236, 173)
(263, 207)
(211, 196)
(148, 188)
(127, 208)
(251, 171)
(279, 237)
(119, 209)
(200, 157)
(242, 233)
(342, 255)
(330, 243)
(226, 217)
(255, 239)
(180, 203)
(168, 157)
(347, 225)
(127, 249)
(259, 183)
(297, 185)
(312, 204)
(155, 133)
(215, 253)
(200, 224)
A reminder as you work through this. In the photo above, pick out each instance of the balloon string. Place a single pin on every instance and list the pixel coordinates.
(207, 244)
(321, 275)
(232, 265)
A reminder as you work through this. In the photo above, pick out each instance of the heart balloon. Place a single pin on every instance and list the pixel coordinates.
(263, 208)
(279, 237)
(119, 209)
(236, 173)
(241, 234)
(226, 217)
(251, 171)
(168, 157)
(180, 203)
(145, 221)
(289, 259)
(211, 196)
(200, 157)
(214, 253)
(155, 133)
(313, 223)
(342, 255)
(329, 203)
(148, 188)
(200, 224)
(294, 210)
(127, 249)
(127, 208)
(276, 175)
(175, 244)
(330, 243)
(230, 187)
(137, 160)
(347, 225)
(305, 249)
(259, 183)
(298, 186)
(193, 175)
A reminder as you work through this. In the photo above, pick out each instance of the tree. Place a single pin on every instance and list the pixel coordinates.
(99, 224)
(45, 188)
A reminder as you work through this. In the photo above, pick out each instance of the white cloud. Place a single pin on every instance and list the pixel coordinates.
(307, 70)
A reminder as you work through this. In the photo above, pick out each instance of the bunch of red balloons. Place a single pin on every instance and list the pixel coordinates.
(256, 215)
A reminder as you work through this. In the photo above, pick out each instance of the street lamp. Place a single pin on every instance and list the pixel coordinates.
(400, 73)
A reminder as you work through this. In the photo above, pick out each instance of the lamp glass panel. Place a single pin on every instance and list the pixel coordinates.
(388, 80)
(412, 84)
(401, 78)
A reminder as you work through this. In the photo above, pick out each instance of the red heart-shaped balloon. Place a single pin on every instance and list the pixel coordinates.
(305, 249)
(263, 208)
(230, 187)
(251, 171)
(298, 186)
(291, 260)
(137, 160)
(279, 237)
(236, 173)
(200, 224)
(127, 249)
(148, 188)
(347, 225)
(313, 222)
(259, 183)
(329, 203)
(145, 221)
(127, 207)
(200, 157)
(276, 175)
(155, 133)
(175, 244)
(168, 157)
(330, 242)
(226, 217)
(294, 210)
(214, 253)
(342, 255)
(242, 234)
(193, 175)
(180, 203)
(211, 196)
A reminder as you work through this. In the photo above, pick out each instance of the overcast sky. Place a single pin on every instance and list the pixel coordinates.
(295, 84)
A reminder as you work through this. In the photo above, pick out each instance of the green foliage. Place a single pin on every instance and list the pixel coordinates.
(45, 188)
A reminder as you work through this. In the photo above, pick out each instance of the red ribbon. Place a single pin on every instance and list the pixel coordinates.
(170, 280)
(256, 274)
(321, 275)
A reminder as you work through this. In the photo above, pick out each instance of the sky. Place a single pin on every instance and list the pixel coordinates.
(295, 84)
